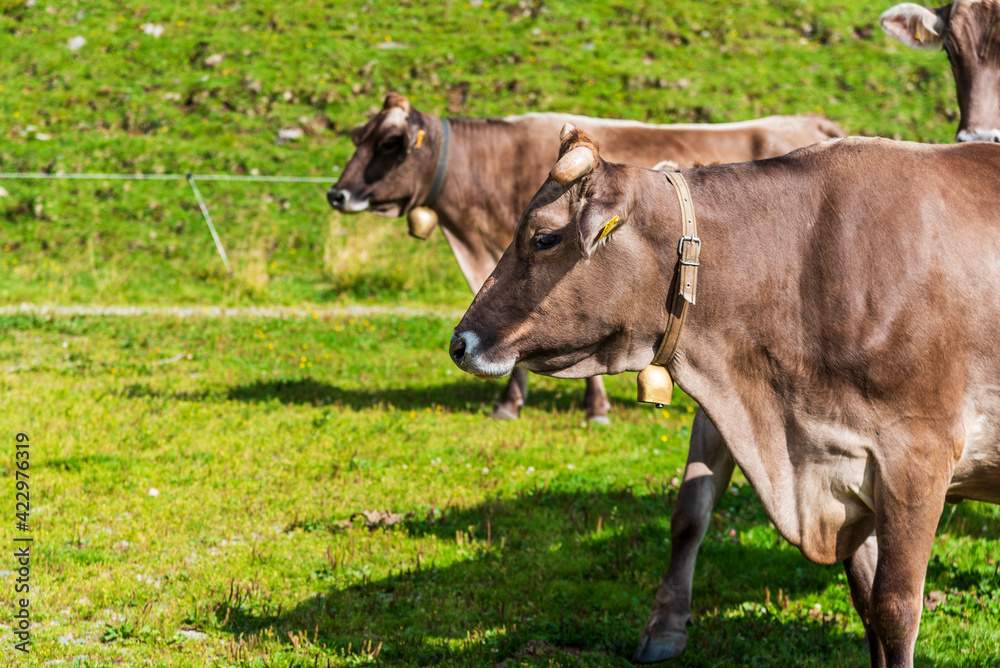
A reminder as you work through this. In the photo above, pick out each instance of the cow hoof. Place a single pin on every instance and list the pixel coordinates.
(599, 419)
(664, 647)
(504, 414)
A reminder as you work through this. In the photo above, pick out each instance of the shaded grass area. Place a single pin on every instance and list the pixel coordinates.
(503, 543)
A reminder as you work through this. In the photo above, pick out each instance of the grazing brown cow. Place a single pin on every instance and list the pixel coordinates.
(401, 162)
(844, 337)
(969, 31)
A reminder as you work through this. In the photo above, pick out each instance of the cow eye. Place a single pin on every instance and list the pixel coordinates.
(391, 144)
(545, 241)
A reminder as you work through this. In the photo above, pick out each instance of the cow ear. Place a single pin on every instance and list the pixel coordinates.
(595, 229)
(914, 25)
(357, 132)
(578, 155)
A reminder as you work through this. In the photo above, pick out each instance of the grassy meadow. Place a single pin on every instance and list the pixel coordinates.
(327, 489)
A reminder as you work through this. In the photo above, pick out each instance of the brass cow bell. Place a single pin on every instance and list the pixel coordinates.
(655, 386)
(421, 222)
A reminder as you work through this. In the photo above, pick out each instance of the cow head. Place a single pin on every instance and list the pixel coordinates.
(969, 31)
(571, 295)
(393, 164)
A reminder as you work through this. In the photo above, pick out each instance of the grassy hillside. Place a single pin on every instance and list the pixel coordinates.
(212, 92)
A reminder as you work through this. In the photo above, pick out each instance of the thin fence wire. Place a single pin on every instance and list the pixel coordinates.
(165, 177)
(190, 178)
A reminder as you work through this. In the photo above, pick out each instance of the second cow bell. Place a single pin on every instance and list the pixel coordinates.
(422, 222)
(654, 385)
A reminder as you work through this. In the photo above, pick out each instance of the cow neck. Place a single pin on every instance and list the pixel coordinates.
(441, 170)
(655, 383)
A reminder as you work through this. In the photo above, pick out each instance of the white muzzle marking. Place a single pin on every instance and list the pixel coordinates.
(992, 135)
(466, 354)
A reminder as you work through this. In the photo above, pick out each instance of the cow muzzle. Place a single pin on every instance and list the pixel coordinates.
(466, 352)
(992, 135)
(345, 201)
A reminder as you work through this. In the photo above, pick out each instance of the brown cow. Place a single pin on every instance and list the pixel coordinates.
(969, 31)
(844, 339)
(478, 195)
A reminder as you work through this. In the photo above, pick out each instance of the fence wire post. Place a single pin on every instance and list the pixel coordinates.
(211, 227)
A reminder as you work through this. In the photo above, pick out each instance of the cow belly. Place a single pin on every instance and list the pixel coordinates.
(977, 473)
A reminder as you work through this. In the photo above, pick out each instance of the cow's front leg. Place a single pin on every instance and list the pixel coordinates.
(596, 400)
(706, 477)
(909, 506)
(509, 407)
(860, 568)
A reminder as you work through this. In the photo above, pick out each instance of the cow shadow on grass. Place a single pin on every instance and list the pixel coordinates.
(461, 395)
(532, 578)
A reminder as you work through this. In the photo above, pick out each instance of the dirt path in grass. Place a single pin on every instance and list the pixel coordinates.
(275, 312)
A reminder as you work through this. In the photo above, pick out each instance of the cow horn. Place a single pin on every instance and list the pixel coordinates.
(395, 100)
(574, 164)
(566, 129)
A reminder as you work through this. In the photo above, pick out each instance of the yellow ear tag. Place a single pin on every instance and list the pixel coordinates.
(923, 33)
(420, 139)
(608, 226)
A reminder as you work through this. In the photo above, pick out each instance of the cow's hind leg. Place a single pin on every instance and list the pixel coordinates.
(509, 407)
(706, 477)
(596, 400)
(860, 568)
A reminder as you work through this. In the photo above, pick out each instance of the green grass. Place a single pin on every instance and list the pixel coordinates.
(260, 463)
(539, 542)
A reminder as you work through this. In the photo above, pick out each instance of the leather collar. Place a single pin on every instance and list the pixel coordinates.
(655, 384)
(442, 164)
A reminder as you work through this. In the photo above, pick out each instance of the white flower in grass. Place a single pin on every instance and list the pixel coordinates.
(153, 491)
(485, 470)
(153, 29)
(531, 469)
(76, 43)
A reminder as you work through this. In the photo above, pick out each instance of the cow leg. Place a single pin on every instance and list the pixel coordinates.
(706, 477)
(906, 518)
(860, 568)
(596, 400)
(513, 398)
